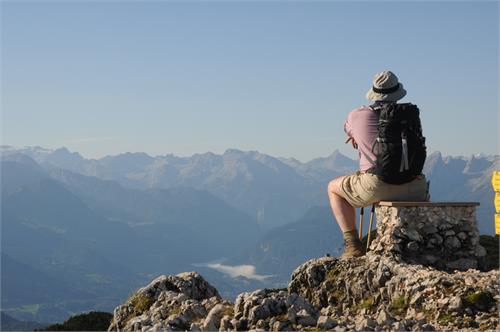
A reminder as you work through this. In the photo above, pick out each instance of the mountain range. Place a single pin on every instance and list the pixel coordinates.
(80, 234)
(272, 190)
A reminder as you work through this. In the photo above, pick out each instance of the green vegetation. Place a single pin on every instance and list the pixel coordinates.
(427, 313)
(60, 311)
(367, 303)
(174, 310)
(445, 317)
(92, 321)
(140, 303)
(331, 274)
(398, 305)
(491, 244)
(335, 285)
(481, 301)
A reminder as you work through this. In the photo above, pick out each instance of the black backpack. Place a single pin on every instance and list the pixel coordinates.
(400, 146)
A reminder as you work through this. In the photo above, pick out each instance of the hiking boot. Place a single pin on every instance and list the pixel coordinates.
(352, 248)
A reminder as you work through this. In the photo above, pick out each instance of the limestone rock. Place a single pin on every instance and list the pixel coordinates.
(326, 323)
(168, 302)
(212, 321)
(419, 276)
(304, 318)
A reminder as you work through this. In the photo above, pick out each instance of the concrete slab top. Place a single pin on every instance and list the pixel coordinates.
(429, 204)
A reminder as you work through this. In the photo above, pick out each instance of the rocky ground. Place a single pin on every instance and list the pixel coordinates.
(370, 293)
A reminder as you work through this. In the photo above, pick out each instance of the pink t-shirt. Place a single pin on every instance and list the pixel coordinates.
(362, 125)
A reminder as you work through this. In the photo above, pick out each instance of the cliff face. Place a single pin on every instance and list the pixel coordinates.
(388, 289)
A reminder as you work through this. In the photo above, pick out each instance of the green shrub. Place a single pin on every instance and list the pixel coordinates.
(91, 321)
(141, 303)
(365, 304)
(398, 305)
(445, 317)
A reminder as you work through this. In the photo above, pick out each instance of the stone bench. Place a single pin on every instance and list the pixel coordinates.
(443, 235)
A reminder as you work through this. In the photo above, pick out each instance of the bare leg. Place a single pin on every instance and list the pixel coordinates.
(344, 212)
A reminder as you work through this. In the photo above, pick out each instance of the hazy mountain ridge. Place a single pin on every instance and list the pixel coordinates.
(321, 169)
(191, 211)
(246, 180)
(464, 179)
(52, 242)
(50, 226)
(273, 190)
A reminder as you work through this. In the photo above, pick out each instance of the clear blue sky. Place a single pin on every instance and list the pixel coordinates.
(277, 77)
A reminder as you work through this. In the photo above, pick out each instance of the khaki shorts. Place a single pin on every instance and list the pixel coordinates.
(363, 189)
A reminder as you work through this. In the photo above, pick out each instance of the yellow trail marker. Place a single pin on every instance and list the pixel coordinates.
(497, 223)
(495, 181)
(497, 202)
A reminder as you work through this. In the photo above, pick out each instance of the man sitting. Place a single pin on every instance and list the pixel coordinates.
(391, 149)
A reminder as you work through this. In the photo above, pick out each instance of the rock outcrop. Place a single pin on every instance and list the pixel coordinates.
(181, 302)
(375, 292)
(385, 290)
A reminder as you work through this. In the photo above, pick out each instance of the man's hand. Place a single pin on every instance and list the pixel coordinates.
(353, 142)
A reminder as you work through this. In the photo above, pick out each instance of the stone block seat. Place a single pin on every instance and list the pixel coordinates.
(443, 235)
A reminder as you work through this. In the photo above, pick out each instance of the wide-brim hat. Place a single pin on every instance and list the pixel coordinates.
(386, 87)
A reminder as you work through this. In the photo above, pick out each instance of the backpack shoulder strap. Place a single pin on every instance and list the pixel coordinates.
(378, 106)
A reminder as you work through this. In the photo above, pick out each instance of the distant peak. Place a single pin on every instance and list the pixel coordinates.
(233, 151)
(336, 153)
(62, 150)
(133, 155)
(435, 155)
(209, 154)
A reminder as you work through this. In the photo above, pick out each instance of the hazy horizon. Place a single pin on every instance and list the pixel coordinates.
(353, 155)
